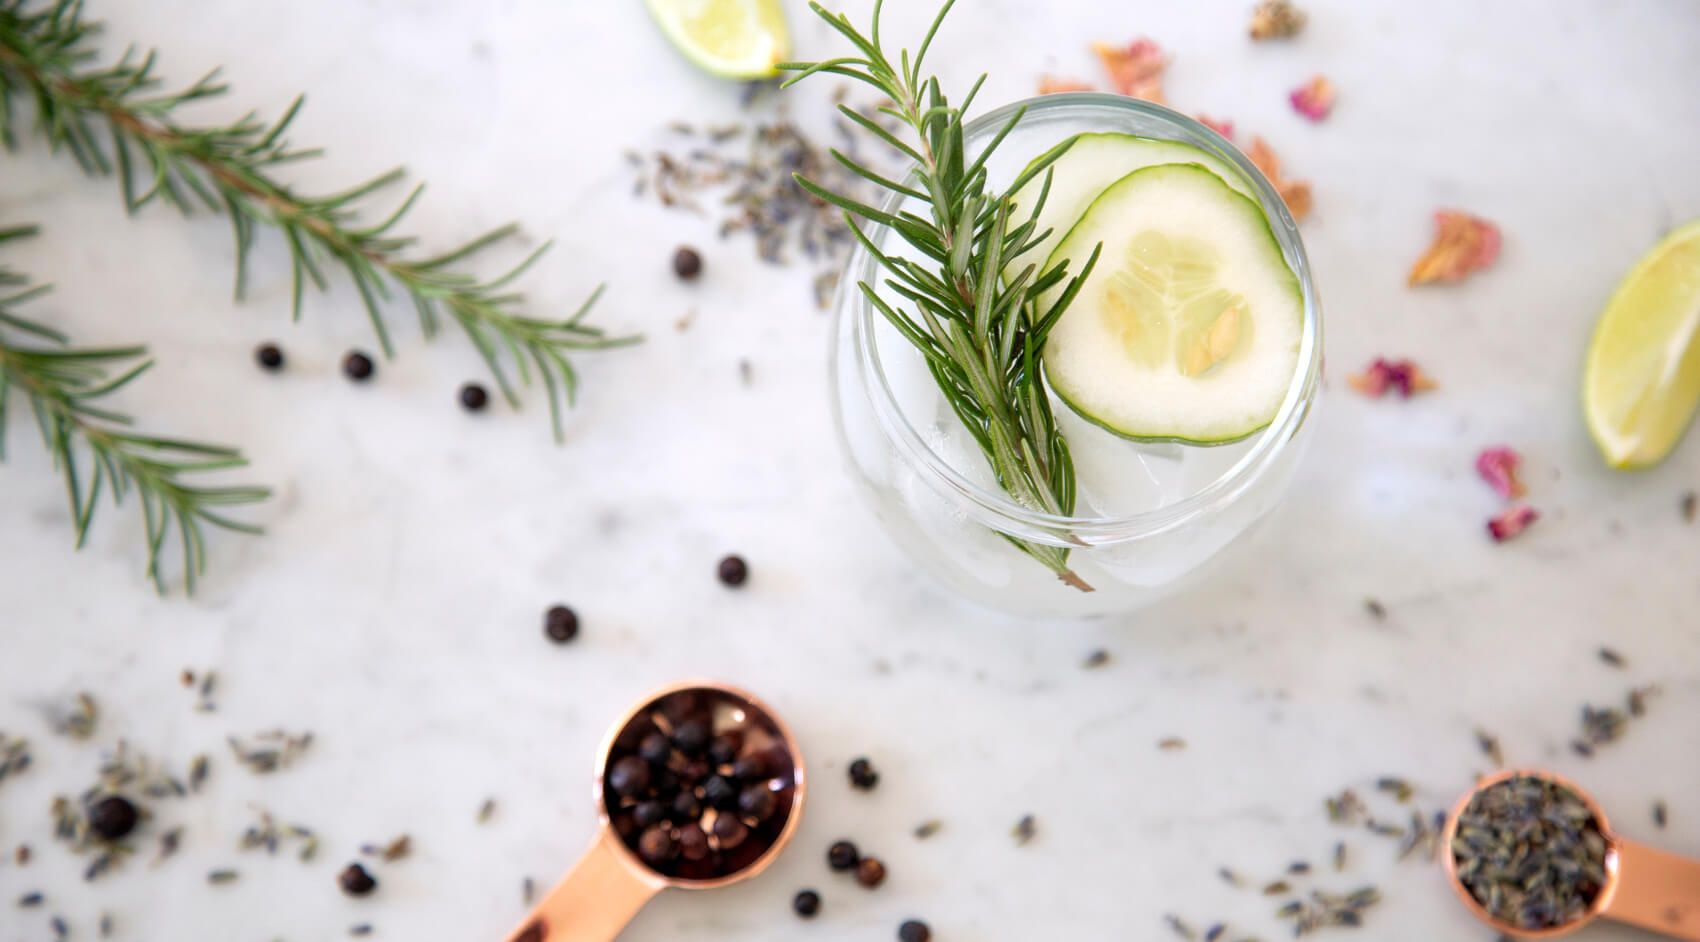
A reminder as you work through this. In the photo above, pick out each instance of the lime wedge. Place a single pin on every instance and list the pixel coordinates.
(1642, 379)
(734, 38)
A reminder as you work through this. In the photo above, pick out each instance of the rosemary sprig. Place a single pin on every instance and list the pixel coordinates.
(94, 449)
(114, 120)
(981, 333)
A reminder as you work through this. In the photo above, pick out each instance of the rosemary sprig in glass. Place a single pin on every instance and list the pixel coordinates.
(114, 120)
(94, 448)
(981, 333)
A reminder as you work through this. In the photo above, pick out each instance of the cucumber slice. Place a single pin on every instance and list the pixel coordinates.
(1189, 327)
(1085, 169)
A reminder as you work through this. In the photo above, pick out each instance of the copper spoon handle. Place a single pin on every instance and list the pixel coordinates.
(1657, 891)
(592, 903)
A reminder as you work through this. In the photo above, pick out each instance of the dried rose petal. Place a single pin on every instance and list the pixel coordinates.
(1295, 193)
(1383, 374)
(1274, 19)
(1224, 128)
(1498, 467)
(1514, 520)
(1051, 86)
(1136, 70)
(1462, 244)
(1314, 99)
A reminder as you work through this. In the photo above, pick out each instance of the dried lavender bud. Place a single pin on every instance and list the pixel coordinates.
(733, 571)
(914, 930)
(687, 264)
(358, 366)
(113, 817)
(473, 397)
(1612, 659)
(1530, 852)
(758, 802)
(862, 775)
(927, 829)
(870, 872)
(657, 846)
(560, 624)
(1097, 658)
(806, 903)
(630, 777)
(355, 881)
(269, 356)
(1025, 829)
(842, 856)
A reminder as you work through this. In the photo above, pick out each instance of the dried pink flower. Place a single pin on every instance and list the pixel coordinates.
(1224, 128)
(1383, 374)
(1295, 193)
(1136, 70)
(1498, 467)
(1051, 86)
(1512, 521)
(1462, 244)
(1314, 99)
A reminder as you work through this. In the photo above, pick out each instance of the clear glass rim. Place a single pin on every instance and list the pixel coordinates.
(997, 505)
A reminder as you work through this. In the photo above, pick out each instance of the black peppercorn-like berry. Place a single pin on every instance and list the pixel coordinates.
(473, 398)
(758, 802)
(355, 881)
(729, 831)
(269, 356)
(560, 624)
(862, 775)
(719, 792)
(649, 813)
(870, 872)
(686, 807)
(687, 264)
(692, 737)
(655, 748)
(630, 777)
(806, 903)
(358, 366)
(751, 768)
(657, 846)
(914, 930)
(693, 842)
(842, 856)
(724, 749)
(113, 817)
(733, 571)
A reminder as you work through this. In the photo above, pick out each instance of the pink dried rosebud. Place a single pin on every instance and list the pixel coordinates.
(1295, 193)
(1051, 86)
(1462, 244)
(1405, 376)
(1136, 70)
(1314, 99)
(1498, 467)
(1224, 128)
(1512, 521)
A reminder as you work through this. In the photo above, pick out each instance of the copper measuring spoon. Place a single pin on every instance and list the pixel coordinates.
(1644, 887)
(610, 883)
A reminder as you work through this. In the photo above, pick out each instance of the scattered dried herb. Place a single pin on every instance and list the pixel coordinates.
(486, 811)
(1397, 787)
(1611, 658)
(1375, 609)
(61, 929)
(1277, 888)
(271, 751)
(1498, 467)
(220, 877)
(199, 767)
(1229, 877)
(359, 929)
(1463, 244)
(1530, 852)
(1403, 376)
(14, 756)
(928, 828)
(21, 856)
(1689, 505)
(76, 720)
(527, 891)
(1096, 659)
(397, 849)
(1325, 910)
(1276, 19)
(1637, 700)
(1661, 814)
(1339, 856)
(267, 833)
(1215, 932)
(1489, 745)
(1025, 829)
(169, 842)
(1345, 808)
(29, 900)
(1298, 867)
(1171, 744)
(1179, 927)
(1314, 99)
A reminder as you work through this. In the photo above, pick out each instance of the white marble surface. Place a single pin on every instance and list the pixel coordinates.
(393, 607)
